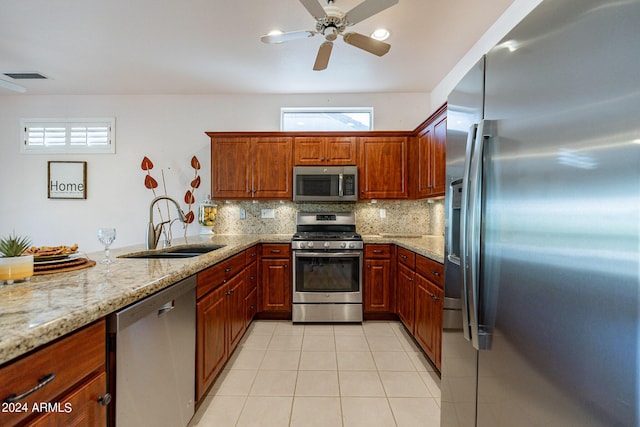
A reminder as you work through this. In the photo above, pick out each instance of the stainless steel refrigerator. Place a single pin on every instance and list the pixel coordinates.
(543, 224)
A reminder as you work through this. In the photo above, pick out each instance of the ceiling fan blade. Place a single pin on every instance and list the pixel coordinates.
(12, 86)
(367, 43)
(285, 37)
(322, 59)
(367, 9)
(314, 7)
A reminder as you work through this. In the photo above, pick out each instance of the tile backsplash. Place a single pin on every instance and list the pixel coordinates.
(401, 217)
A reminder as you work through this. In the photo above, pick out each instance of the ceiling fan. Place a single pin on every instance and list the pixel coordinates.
(331, 22)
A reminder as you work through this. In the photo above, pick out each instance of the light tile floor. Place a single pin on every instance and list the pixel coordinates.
(342, 375)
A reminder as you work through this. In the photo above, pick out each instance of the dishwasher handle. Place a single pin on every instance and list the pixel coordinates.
(166, 308)
(159, 303)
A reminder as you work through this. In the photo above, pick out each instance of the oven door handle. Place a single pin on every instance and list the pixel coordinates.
(305, 254)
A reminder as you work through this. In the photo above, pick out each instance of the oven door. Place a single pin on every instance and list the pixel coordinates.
(327, 277)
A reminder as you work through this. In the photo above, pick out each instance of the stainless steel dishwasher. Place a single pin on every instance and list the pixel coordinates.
(152, 358)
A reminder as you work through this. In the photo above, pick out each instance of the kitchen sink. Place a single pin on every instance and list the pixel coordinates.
(188, 251)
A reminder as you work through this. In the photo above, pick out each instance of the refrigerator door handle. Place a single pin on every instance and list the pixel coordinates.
(464, 231)
(480, 337)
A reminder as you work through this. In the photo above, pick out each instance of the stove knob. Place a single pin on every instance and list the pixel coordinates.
(352, 245)
(326, 245)
(310, 244)
(343, 245)
(301, 245)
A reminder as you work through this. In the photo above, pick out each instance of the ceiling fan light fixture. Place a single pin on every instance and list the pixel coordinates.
(381, 34)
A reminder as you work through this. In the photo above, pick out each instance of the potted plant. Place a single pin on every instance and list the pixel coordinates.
(13, 264)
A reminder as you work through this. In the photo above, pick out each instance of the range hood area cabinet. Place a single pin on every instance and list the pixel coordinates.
(391, 165)
(251, 167)
(325, 150)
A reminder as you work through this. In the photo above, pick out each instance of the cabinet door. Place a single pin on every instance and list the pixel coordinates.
(341, 150)
(428, 318)
(211, 352)
(231, 167)
(436, 322)
(235, 303)
(438, 155)
(423, 171)
(309, 151)
(272, 168)
(81, 407)
(405, 296)
(383, 168)
(251, 305)
(377, 285)
(275, 285)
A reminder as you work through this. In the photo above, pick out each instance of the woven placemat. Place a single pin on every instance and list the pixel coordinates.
(63, 266)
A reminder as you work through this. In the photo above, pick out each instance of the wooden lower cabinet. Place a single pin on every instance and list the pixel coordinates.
(77, 390)
(221, 318)
(405, 296)
(428, 318)
(211, 346)
(82, 407)
(378, 279)
(275, 291)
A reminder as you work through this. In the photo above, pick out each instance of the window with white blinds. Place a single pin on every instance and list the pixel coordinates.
(68, 135)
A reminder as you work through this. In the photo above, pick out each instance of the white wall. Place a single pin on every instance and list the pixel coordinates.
(514, 14)
(167, 129)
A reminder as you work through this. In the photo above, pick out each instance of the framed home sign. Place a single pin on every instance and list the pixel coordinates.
(67, 180)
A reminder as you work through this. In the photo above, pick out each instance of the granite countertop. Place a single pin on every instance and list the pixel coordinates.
(46, 307)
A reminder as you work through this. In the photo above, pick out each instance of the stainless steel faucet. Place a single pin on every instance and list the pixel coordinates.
(153, 233)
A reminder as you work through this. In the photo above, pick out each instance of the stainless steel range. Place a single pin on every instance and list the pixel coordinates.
(327, 268)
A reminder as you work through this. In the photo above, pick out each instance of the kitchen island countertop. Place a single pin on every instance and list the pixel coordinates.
(46, 307)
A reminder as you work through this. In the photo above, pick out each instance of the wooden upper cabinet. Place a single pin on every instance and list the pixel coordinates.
(272, 168)
(231, 167)
(429, 158)
(325, 151)
(383, 167)
(251, 167)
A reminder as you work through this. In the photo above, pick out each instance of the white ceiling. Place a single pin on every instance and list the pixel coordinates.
(213, 46)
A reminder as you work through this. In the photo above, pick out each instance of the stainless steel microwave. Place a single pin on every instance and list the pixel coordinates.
(325, 183)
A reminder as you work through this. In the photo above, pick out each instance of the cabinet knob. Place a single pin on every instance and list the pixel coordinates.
(322, 159)
(369, 266)
(286, 266)
(105, 400)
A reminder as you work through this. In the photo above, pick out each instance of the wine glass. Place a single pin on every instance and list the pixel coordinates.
(106, 235)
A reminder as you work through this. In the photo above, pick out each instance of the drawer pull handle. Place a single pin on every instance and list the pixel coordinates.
(105, 400)
(275, 251)
(42, 381)
(404, 256)
(228, 269)
(435, 273)
(377, 251)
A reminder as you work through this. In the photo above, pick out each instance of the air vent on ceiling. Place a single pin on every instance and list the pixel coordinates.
(25, 75)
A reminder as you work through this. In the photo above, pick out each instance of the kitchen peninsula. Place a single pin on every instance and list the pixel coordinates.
(47, 307)
(46, 310)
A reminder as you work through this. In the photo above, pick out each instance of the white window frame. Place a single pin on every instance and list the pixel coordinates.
(327, 110)
(68, 135)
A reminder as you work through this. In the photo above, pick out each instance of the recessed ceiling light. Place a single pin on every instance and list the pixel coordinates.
(381, 34)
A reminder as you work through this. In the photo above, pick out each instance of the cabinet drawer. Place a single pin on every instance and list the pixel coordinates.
(407, 257)
(377, 251)
(67, 361)
(276, 250)
(219, 274)
(251, 255)
(430, 269)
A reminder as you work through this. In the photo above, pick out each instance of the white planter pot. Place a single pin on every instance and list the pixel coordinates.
(15, 268)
